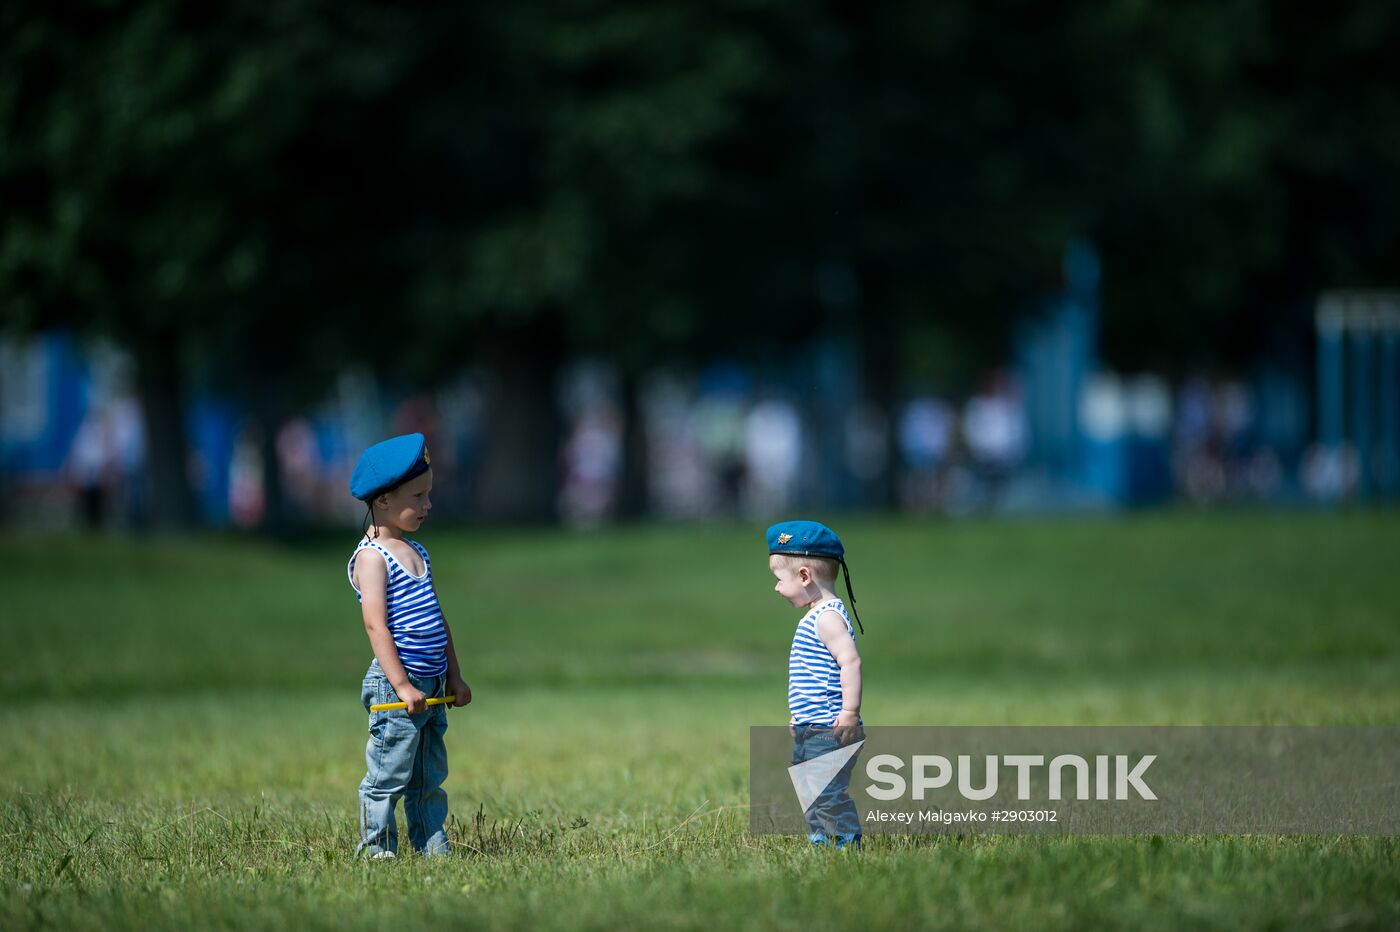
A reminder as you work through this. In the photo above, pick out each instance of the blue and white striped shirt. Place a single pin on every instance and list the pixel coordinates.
(415, 618)
(814, 679)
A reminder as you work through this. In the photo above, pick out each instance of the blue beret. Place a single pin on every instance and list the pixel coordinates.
(387, 464)
(805, 539)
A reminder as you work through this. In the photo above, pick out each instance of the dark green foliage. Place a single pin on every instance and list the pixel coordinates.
(670, 163)
(260, 195)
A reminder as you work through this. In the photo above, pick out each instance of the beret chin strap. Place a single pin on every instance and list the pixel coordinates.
(369, 518)
(852, 593)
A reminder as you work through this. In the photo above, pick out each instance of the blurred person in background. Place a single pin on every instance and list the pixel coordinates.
(1200, 476)
(592, 466)
(719, 426)
(925, 434)
(246, 501)
(772, 451)
(995, 429)
(591, 452)
(129, 447)
(296, 457)
(867, 449)
(678, 481)
(92, 467)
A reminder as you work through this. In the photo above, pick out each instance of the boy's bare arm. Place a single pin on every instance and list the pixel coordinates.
(372, 576)
(831, 628)
(456, 686)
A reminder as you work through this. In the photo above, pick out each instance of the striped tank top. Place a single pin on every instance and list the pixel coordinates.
(415, 618)
(814, 679)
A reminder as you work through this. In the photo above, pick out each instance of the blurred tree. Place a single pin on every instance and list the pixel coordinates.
(582, 236)
(1244, 159)
(143, 172)
(255, 197)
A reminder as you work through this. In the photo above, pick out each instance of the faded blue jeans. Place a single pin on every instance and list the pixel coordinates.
(405, 758)
(833, 816)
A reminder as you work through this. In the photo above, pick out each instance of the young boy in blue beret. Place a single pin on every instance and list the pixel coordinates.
(414, 660)
(824, 676)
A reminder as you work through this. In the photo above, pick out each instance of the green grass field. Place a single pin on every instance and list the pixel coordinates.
(184, 735)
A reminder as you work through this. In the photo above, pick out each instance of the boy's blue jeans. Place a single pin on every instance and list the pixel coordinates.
(833, 814)
(405, 757)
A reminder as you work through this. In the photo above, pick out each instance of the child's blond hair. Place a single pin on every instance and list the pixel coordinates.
(823, 568)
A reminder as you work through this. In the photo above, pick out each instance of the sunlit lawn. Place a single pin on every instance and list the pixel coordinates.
(184, 732)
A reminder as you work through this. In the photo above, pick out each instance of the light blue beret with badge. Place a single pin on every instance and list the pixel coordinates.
(812, 539)
(387, 464)
(805, 539)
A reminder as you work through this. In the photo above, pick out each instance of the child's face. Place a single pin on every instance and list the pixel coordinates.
(793, 582)
(407, 506)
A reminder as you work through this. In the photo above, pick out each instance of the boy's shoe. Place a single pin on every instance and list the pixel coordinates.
(438, 847)
(817, 839)
(850, 842)
(382, 855)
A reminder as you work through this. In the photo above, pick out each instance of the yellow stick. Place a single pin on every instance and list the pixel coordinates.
(391, 706)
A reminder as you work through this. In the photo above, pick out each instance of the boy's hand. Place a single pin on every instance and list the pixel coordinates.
(456, 686)
(410, 694)
(846, 727)
(792, 726)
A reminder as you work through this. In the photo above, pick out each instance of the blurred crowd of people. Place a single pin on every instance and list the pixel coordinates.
(718, 443)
